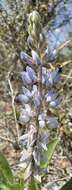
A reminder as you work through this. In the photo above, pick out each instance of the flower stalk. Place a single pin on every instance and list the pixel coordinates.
(38, 97)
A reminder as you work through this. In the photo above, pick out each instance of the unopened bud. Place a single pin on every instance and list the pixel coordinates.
(34, 28)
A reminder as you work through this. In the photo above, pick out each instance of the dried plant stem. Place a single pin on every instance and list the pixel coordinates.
(13, 107)
(67, 77)
(7, 139)
(40, 82)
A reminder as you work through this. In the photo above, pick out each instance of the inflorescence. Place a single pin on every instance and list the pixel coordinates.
(39, 98)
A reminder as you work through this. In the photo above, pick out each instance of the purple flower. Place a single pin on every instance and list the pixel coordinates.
(48, 79)
(43, 75)
(52, 77)
(52, 122)
(26, 92)
(37, 99)
(50, 96)
(30, 41)
(25, 57)
(23, 99)
(50, 55)
(42, 116)
(29, 94)
(56, 77)
(36, 58)
(25, 114)
(31, 73)
(26, 78)
(55, 103)
(42, 123)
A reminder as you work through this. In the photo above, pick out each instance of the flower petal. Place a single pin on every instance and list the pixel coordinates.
(31, 73)
(25, 57)
(36, 58)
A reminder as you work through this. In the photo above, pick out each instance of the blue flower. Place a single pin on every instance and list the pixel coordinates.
(42, 123)
(52, 122)
(31, 73)
(25, 57)
(51, 95)
(23, 99)
(50, 55)
(37, 99)
(29, 94)
(48, 79)
(30, 42)
(26, 78)
(42, 116)
(26, 92)
(43, 75)
(55, 103)
(36, 58)
(25, 115)
(56, 77)
(52, 77)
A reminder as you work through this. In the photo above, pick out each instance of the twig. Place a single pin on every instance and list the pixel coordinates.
(13, 107)
(9, 128)
(67, 77)
(56, 180)
(7, 139)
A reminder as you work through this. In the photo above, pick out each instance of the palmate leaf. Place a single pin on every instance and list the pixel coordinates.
(5, 171)
(67, 186)
(34, 185)
(49, 153)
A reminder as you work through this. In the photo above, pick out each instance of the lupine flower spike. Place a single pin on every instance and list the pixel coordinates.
(38, 97)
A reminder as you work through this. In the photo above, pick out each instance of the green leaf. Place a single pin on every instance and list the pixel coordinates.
(17, 115)
(34, 185)
(49, 153)
(68, 185)
(3, 179)
(4, 187)
(19, 185)
(5, 170)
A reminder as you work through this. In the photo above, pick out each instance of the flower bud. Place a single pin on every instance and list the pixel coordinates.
(34, 90)
(44, 71)
(42, 116)
(36, 155)
(52, 122)
(30, 42)
(31, 73)
(25, 115)
(56, 77)
(52, 78)
(48, 79)
(37, 99)
(23, 140)
(25, 57)
(34, 28)
(55, 103)
(26, 92)
(34, 17)
(23, 99)
(36, 58)
(24, 118)
(42, 123)
(50, 96)
(26, 78)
